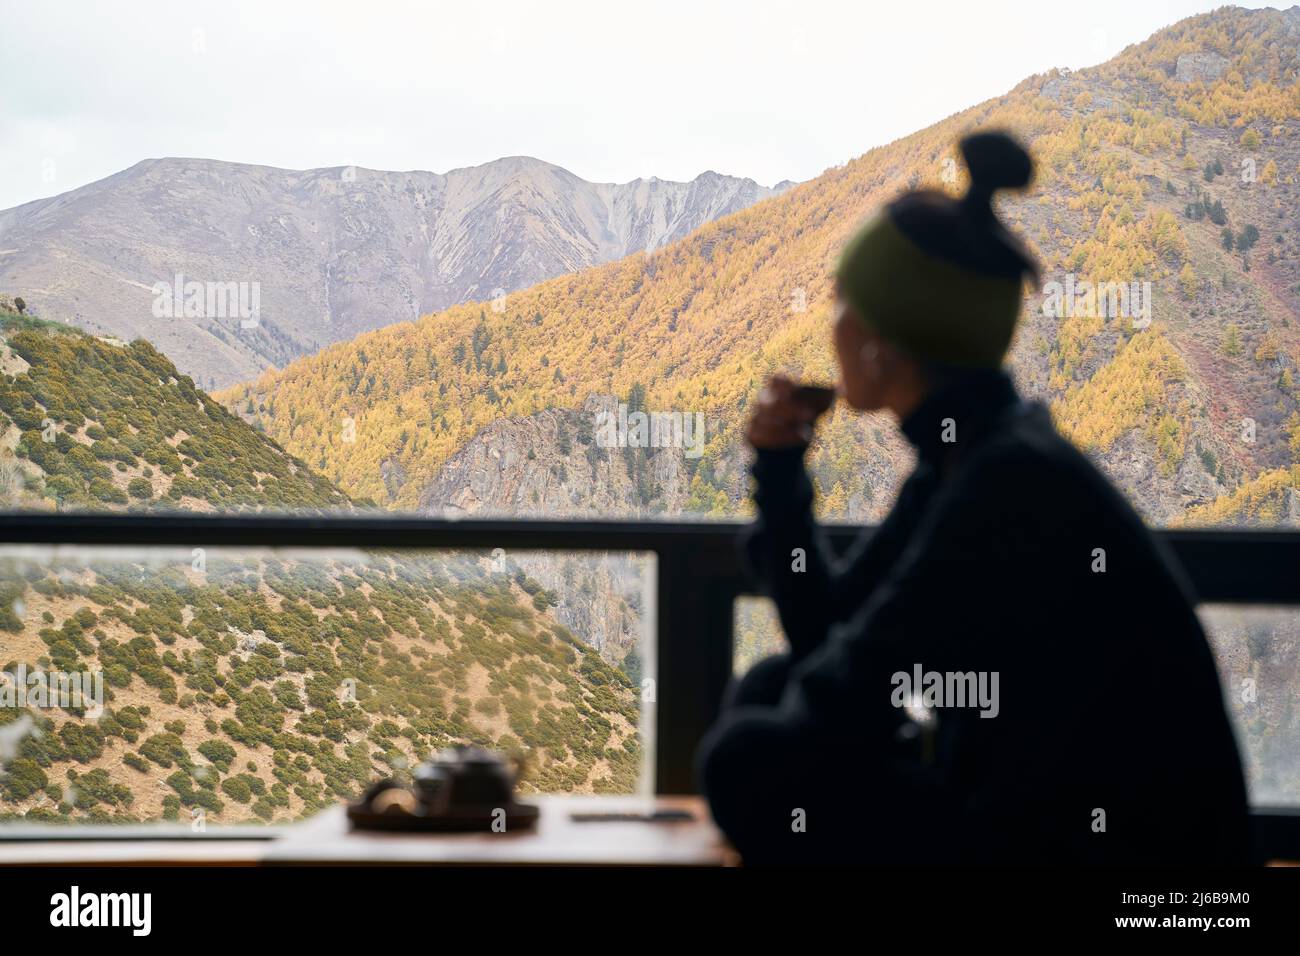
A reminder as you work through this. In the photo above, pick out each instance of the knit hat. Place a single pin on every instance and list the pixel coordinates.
(939, 277)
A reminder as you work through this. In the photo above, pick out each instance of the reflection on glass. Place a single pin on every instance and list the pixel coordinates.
(1258, 653)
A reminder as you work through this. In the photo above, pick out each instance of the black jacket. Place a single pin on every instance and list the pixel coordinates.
(1008, 554)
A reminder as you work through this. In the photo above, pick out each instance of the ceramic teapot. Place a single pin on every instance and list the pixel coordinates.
(465, 776)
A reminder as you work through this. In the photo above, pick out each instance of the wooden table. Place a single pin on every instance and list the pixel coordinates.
(328, 840)
(557, 840)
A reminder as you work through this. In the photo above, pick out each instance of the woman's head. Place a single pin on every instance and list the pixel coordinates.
(932, 283)
(874, 373)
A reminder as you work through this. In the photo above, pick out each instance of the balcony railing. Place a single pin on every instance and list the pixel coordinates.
(699, 576)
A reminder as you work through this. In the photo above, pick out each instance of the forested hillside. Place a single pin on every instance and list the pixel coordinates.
(1176, 163)
(257, 687)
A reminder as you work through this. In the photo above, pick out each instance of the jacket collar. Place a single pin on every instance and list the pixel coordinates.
(956, 414)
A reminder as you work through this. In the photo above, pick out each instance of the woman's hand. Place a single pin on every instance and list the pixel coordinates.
(784, 416)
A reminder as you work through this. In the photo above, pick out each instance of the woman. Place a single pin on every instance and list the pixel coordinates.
(1068, 707)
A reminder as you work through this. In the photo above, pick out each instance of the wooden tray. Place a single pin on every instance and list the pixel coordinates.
(519, 816)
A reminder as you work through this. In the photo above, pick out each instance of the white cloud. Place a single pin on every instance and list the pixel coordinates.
(766, 89)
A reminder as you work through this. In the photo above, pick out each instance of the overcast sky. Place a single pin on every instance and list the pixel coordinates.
(771, 90)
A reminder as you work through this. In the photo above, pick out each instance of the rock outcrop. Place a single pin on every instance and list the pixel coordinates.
(1200, 67)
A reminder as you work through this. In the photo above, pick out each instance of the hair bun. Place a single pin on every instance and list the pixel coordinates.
(996, 161)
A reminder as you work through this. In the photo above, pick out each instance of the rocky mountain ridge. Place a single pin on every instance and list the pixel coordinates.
(326, 253)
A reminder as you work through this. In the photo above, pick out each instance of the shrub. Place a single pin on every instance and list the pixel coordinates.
(99, 786)
(140, 488)
(287, 694)
(82, 743)
(171, 807)
(106, 491)
(166, 749)
(135, 762)
(24, 777)
(219, 753)
(237, 789)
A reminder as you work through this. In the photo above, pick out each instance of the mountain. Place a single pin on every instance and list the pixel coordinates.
(1174, 165)
(1177, 163)
(1191, 408)
(254, 685)
(330, 253)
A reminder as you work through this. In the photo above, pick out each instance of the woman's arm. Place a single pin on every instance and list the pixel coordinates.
(789, 554)
(786, 550)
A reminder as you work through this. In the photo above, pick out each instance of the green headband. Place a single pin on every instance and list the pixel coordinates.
(932, 309)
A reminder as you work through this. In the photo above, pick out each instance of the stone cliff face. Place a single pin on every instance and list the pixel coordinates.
(1205, 67)
(551, 464)
(333, 252)
(603, 598)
